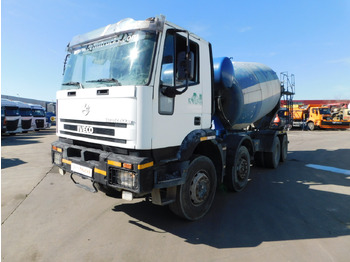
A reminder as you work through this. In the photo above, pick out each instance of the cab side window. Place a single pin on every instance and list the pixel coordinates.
(167, 74)
(174, 68)
(180, 61)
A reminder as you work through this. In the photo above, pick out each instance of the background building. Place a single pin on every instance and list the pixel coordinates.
(49, 106)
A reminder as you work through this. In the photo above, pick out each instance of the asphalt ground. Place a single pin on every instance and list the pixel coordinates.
(297, 212)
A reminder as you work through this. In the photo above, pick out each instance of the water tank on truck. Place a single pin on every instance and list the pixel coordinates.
(245, 93)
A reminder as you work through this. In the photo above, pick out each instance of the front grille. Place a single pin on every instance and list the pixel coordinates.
(39, 123)
(12, 125)
(110, 139)
(95, 130)
(26, 124)
(95, 123)
(92, 130)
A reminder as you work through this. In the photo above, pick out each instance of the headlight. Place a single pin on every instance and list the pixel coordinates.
(123, 178)
(127, 179)
(57, 158)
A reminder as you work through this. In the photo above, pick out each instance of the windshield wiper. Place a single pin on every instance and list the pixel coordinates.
(73, 84)
(106, 80)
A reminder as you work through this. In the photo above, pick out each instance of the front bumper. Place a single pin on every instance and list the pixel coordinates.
(335, 124)
(121, 172)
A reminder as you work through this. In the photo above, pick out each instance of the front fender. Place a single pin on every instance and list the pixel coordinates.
(192, 140)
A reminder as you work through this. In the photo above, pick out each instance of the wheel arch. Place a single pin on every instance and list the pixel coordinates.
(203, 142)
(248, 143)
(234, 141)
(281, 136)
(215, 153)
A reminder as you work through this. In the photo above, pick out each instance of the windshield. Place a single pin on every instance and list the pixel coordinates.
(325, 111)
(11, 111)
(123, 60)
(38, 112)
(25, 112)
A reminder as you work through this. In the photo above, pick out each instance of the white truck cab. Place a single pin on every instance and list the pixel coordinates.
(135, 114)
(39, 117)
(12, 117)
(26, 122)
(114, 81)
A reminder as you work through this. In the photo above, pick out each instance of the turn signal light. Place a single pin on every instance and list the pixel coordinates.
(55, 148)
(128, 166)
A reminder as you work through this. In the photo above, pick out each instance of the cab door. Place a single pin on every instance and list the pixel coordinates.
(180, 90)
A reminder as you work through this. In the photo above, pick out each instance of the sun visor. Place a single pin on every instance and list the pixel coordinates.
(123, 26)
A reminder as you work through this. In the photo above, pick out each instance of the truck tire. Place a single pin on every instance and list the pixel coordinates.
(311, 126)
(195, 197)
(238, 170)
(273, 158)
(284, 148)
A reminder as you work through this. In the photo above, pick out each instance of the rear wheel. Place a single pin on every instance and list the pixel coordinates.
(239, 170)
(273, 158)
(195, 197)
(284, 148)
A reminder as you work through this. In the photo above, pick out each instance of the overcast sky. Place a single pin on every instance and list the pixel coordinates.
(310, 39)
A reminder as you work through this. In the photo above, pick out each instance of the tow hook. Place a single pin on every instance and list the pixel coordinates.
(92, 190)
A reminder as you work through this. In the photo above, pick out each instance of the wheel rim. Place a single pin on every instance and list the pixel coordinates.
(200, 187)
(310, 125)
(242, 169)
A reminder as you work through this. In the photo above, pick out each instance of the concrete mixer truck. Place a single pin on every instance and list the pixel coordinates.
(145, 110)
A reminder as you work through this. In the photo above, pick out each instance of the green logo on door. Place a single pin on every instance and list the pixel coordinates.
(196, 99)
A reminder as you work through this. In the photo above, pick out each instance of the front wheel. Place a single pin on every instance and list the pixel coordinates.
(195, 197)
(239, 170)
(311, 126)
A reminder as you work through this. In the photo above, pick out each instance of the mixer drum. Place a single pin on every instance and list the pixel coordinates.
(244, 92)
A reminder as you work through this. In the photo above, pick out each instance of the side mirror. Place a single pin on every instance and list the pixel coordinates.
(185, 67)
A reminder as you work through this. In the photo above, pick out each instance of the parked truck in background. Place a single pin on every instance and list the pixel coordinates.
(25, 124)
(340, 111)
(146, 110)
(3, 124)
(39, 117)
(345, 114)
(10, 117)
(317, 116)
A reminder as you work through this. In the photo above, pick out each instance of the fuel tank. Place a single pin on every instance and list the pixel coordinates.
(244, 93)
